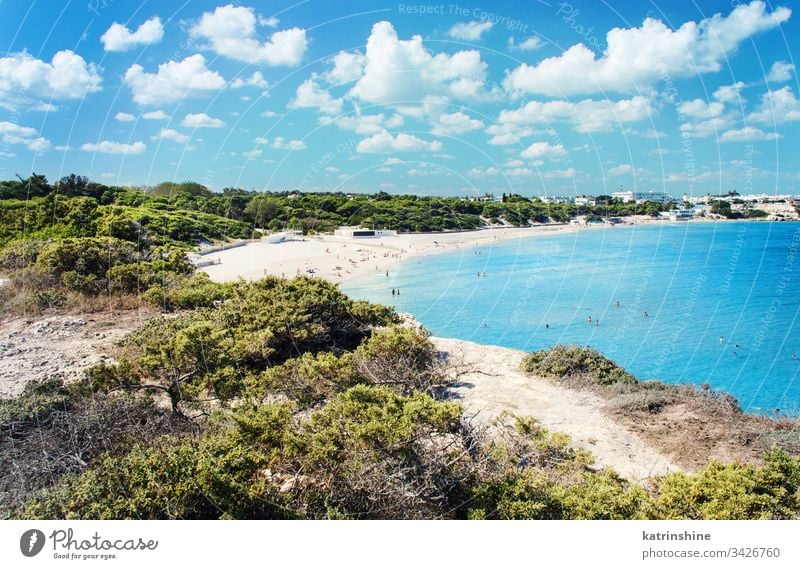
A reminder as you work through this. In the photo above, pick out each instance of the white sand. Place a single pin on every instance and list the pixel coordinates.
(490, 382)
(339, 258)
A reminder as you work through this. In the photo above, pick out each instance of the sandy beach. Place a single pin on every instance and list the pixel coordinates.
(336, 258)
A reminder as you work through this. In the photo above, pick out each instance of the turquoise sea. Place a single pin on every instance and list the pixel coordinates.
(722, 301)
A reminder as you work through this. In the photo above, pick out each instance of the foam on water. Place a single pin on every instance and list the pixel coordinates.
(697, 282)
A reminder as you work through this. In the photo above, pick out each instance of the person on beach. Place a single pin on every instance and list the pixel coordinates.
(393, 293)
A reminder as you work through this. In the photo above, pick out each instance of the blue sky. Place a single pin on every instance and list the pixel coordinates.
(453, 99)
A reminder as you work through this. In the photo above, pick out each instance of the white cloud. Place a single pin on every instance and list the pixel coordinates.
(620, 170)
(555, 174)
(108, 147)
(707, 127)
(385, 142)
(155, 116)
(777, 107)
(780, 72)
(271, 22)
(12, 133)
(544, 150)
(700, 109)
(63, 147)
(120, 38)
(530, 44)
(587, 115)
(252, 155)
(255, 80)
(403, 73)
(281, 143)
(747, 133)
(44, 107)
(124, 117)
(730, 93)
(67, 76)
(171, 134)
(311, 95)
(362, 124)
(449, 124)
(173, 81)
(470, 31)
(481, 172)
(231, 31)
(636, 58)
(347, 67)
(201, 120)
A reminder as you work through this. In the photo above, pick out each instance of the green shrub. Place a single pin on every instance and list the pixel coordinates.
(564, 362)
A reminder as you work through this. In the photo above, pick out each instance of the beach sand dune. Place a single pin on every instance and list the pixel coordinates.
(490, 383)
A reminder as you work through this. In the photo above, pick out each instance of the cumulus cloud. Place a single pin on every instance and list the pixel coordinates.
(730, 93)
(455, 123)
(201, 120)
(620, 170)
(255, 80)
(109, 147)
(231, 31)
(529, 44)
(636, 58)
(544, 150)
(173, 81)
(587, 115)
(777, 107)
(124, 117)
(747, 133)
(385, 142)
(171, 134)
(404, 72)
(362, 124)
(780, 72)
(281, 143)
(120, 38)
(347, 67)
(12, 133)
(311, 95)
(470, 31)
(67, 76)
(556, 174)
(700, 109)
(155, 116)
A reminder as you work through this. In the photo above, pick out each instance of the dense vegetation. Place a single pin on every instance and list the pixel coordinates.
(185, 212)
(285, 399)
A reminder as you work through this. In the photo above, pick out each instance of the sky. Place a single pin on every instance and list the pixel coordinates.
(530, 97)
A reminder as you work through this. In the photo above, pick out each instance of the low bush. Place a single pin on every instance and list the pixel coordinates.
(565, 362)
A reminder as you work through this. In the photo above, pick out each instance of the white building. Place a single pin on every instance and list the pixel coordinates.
(642, 197)
(585, 201)
(355, 232)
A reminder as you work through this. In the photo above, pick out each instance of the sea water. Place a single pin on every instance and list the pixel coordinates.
(714, 303)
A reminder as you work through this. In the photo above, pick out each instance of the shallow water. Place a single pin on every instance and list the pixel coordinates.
(722, 301)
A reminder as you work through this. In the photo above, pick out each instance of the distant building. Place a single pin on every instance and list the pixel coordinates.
(585, 201)
(681, 215)
(556, 199)
(356, 232)
(642, 197)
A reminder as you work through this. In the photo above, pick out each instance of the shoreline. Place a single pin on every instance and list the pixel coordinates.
(338, 259)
